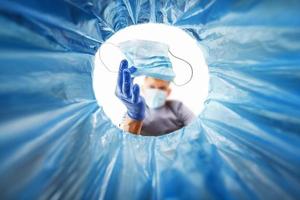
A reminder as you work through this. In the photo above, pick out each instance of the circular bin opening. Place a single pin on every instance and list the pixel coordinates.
(182, 45)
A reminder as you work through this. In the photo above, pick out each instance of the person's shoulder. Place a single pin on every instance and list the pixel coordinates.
(174, 104)
(184, 114)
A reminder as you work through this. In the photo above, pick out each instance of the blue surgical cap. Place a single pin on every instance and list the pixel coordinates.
(149, 57)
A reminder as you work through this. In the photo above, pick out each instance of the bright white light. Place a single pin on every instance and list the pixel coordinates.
(181, 45)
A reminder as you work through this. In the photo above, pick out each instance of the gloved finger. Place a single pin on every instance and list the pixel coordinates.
(132, 69)
(136, 93)
(123, 66)
(126, 88)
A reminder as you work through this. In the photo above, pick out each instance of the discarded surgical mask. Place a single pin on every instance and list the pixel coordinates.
(150, 58)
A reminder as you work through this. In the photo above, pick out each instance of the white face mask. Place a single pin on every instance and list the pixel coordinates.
(155, 98)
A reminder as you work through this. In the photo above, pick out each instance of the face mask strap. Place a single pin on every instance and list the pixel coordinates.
(190, 66)
(105, 66)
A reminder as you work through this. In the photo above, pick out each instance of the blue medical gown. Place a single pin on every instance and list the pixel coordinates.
(57, 143)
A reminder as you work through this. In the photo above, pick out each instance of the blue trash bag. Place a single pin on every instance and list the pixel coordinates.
(57, 143)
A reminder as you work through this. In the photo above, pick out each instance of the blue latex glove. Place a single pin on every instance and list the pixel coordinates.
(129, 94)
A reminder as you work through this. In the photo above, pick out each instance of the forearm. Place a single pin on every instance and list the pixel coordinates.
(132, 126)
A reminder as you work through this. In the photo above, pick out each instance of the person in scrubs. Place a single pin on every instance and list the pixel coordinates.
(151, 114)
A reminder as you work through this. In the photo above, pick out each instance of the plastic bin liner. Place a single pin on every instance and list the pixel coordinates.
(57, 143)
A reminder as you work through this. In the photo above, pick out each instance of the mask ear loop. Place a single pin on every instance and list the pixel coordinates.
(105, 66)
(190, 66)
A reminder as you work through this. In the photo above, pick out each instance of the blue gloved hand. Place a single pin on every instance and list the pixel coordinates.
(129, 94)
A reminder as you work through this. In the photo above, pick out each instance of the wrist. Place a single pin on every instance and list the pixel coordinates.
(132, 125)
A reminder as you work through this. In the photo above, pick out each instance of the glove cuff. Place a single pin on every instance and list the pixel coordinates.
(137, 117)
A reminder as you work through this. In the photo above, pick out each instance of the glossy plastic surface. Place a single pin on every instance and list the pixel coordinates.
(56, 142)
